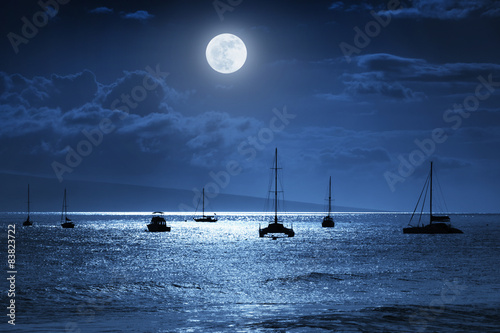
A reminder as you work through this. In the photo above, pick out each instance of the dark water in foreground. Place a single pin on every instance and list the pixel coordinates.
(110, 275)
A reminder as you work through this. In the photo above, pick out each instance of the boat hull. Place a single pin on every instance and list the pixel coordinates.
(158, 223)
(276, 228)
(205, 219)
(158, 228)
(68, 225)
(328, 222)
(433, 228)
(27, 223)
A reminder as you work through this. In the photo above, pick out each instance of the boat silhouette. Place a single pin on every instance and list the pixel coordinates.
(65, 220)
(205, 218)
(438, 224)
(275, 227)
(28, 221)
(328, 220)
(158, 223)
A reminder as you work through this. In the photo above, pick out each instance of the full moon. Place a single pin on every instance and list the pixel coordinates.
(226, 53)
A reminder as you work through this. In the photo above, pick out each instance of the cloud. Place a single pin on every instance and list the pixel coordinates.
(101, 10)
(342, 97)
(494, 12)
(449, 163)
(383, 62)
(340, 147)
(368, 84)
(354, 156)
(47, 116)
(388, 66)
(336, 5)
(140, 15)
(357, 7)
(444, 9)
(57, 91)
(406, 79)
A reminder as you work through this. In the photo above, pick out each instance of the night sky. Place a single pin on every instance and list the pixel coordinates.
(368, 92)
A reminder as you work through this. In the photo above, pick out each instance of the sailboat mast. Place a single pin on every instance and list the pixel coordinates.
(276, 186)
(63, 205)
(430, 204)
(203, 205)
(330, 196)
(28, 201)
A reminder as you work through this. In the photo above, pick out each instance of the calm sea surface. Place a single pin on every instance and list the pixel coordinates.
(109, 275)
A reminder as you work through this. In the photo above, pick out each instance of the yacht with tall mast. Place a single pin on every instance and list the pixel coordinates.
(328, 220)
(275, 227)
(65, 220)
(438, 224)
(205, 218)
(28, 221)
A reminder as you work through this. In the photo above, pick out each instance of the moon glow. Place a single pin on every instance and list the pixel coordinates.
(226, 53)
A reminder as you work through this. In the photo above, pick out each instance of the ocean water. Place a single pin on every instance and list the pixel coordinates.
(109, 274)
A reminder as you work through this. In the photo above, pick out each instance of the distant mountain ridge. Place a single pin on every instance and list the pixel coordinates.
(46, 195)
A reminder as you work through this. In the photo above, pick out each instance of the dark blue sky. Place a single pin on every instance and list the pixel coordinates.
(368, 92)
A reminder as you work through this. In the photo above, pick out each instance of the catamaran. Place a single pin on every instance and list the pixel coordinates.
(275, 227)
(328, 220)
(441, 227)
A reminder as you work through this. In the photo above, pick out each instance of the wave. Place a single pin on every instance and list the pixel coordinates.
(311, 277)
(393, 318)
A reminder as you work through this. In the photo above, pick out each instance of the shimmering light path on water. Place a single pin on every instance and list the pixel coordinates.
(364, 275)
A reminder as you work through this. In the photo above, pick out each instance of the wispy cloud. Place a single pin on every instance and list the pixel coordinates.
(101, 10)
(140, 15)
(392, 67)
(371, 84)
(353, 7)
(336, 5)
(494, 12)
(446, 10)
(433, 9)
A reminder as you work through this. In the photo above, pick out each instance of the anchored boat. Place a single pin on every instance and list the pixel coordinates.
(328, 220)
(205, 218)
(28, 221)
(65, 220)
(438, 224)
(158, 223)
(275, 227)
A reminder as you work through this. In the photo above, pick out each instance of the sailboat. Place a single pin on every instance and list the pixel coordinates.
(205, 218)
(275, 227)
(28, 221)
(438, 224)
(328, 220)
(65, 220)
(158, 223)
